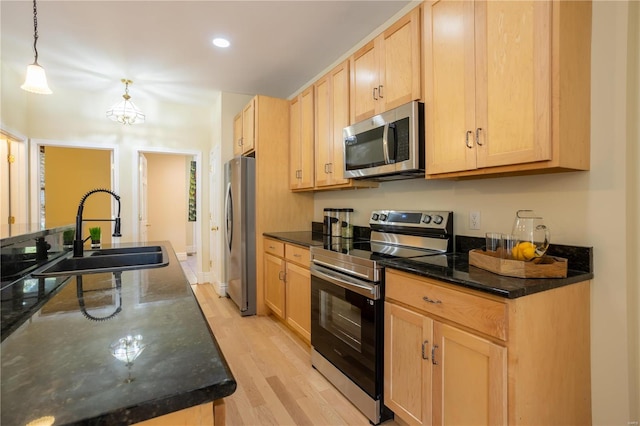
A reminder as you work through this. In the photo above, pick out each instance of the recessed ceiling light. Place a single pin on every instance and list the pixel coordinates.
(221, 42)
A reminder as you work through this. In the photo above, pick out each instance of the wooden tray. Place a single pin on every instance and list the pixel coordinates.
(544, 267)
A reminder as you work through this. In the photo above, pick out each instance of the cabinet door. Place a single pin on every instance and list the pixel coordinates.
(513, 82)
(469, 378)
(307, 136)
(248, 127)
(299, 300)
(339, 120)
(295, 143)
(324, 135)
(449, 86)
(364, 79)
(274, 288)
(237, 135)
(302, 138)
(332, 115)
(400, 63)
(407, 364)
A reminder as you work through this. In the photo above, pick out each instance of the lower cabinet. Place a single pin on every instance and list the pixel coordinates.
(211, 414)
(287, 284)
(458, 356)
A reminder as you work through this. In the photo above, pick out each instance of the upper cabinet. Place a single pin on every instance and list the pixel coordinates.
(386, 72)
(301, 155)
(244, 141)
(332, 115)
(507, 87)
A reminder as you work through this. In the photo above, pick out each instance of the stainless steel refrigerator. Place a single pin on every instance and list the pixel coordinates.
(240, 233)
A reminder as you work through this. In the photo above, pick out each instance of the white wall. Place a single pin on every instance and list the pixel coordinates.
(598, 208)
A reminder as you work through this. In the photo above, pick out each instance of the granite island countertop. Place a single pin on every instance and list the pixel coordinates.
(62, 362)
(454, 268)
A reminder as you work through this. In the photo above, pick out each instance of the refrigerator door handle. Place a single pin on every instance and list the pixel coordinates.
(228, 207)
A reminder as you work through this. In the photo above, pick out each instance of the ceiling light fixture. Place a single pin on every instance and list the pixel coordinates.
(125, 112)
(36, 80)
(221, 42)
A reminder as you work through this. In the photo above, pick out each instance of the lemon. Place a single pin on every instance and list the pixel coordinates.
(524, 251)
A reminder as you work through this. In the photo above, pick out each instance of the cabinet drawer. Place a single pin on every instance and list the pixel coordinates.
(476, 312)
(297, 254)
(274, 247)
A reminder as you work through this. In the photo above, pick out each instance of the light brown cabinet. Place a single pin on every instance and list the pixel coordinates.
(459, 356)
(386, 72)
(244, 140)
(288, 284)
(277, 209)
(509, 90)
(301, 151)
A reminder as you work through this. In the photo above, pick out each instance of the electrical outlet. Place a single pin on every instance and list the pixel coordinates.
(474, 220)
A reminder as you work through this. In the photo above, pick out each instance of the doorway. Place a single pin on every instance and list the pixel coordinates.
(70, 170)
(168, 202)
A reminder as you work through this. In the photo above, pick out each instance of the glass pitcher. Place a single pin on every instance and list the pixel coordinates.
(529, 227)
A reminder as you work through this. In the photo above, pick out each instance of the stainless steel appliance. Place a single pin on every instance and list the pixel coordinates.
(388, 146)
(240, 233)
(347, 299)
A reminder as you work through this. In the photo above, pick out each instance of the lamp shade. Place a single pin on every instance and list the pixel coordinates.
(36, 80)
(125, 112)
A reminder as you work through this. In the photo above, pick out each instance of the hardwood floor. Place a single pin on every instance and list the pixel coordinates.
(272, 366)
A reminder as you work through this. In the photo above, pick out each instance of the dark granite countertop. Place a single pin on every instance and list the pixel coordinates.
(454, 268)
(61, 361)
(301, 238)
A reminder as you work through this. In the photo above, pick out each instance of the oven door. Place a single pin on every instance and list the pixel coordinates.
(346, 326)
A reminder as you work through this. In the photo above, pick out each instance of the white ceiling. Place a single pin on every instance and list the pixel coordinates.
(165, 46)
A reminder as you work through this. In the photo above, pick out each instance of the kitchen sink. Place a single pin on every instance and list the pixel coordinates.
(108, 260)
(125, 250)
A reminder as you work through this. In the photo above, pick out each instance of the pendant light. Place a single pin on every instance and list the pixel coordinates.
(36, 80)
(125, 112)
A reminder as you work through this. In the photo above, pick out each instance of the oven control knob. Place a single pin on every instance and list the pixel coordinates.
(437, 219)
(426, 219)
(383, 217)
(375, 216)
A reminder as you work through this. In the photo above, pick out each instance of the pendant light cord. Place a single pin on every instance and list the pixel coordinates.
(35, 30)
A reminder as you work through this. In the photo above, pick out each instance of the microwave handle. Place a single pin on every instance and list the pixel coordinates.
(385, 143)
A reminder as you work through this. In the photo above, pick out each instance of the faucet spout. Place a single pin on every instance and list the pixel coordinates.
(78, 242)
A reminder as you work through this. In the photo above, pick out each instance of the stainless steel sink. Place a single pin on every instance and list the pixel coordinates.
(108, 260)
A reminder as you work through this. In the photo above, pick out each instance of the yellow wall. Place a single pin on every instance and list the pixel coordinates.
(167, 184)
(69, 174)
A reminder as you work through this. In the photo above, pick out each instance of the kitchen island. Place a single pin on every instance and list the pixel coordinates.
(111, 348)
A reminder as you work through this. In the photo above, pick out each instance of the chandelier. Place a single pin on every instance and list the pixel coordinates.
(36, 80)
(125, 111)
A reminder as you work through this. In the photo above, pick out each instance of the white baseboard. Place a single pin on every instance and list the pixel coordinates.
(191, 249)
(220, 288)
(182, 256)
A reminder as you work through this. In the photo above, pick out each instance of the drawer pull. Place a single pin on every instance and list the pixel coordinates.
(296, 255)
(424, 352)
(426, 299)
(433, 354)
(272, 247)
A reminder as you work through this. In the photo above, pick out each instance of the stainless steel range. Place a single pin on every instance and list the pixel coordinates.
(347, 299)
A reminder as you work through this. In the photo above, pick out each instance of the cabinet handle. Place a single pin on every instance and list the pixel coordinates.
(424, 352)
(380, 91)
(240, 141)
(375, 93)
(272, 247)
(478, 136)
(297, 255)
(326, 168)
(466, 139)
(426, 299)
(282, 276)
(433, 355)
(330, 167)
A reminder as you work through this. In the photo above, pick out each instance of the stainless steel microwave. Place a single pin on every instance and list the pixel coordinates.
(388, 146)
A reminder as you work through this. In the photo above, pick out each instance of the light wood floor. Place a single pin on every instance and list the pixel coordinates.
(272, 366)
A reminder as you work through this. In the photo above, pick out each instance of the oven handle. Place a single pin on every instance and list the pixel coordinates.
(350, 283)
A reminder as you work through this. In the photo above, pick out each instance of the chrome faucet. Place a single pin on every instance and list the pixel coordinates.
(78, 243)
